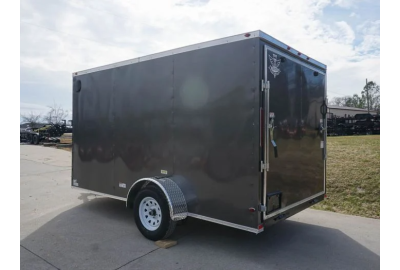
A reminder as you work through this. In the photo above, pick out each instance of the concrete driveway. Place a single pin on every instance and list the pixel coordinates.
(64, 228)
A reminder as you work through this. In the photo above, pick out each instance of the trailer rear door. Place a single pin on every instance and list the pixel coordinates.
(294, 148)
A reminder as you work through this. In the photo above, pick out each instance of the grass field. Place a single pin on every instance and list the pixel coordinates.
(353, 176)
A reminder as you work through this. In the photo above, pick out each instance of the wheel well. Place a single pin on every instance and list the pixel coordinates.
(135, 190)
(177, 203)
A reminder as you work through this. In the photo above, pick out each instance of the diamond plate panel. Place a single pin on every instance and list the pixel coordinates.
(175, 197)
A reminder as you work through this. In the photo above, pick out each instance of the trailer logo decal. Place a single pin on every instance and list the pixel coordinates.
(275, 62)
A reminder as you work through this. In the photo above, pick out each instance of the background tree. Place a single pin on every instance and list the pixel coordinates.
(339, 101)
(56, 114)
(31, 118)
(371, 93)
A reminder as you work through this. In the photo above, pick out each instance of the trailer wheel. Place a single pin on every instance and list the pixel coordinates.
(30, 139)
(151, 212)
(35, 139)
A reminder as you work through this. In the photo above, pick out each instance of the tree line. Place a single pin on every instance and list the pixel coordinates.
(55, 115)
(369, 98)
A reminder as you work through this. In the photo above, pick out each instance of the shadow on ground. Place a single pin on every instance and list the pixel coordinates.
(101, 234)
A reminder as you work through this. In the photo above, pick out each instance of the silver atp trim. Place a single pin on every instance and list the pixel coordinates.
(99, 193)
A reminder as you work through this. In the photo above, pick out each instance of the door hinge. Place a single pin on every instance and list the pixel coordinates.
(264, 166)
(262, 208)
(264, 85)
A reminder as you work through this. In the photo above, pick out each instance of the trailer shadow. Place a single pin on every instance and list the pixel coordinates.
(101, 234)
(287, 245)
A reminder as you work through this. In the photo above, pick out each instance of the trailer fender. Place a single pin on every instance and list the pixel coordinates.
(176, 200)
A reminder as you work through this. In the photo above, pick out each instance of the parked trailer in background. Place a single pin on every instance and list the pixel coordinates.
(231, 131)
(47, 133)
(359, 124)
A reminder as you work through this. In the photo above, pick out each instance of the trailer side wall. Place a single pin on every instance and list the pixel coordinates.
(194, 114)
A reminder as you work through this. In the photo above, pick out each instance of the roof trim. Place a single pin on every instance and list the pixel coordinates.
(243, 36)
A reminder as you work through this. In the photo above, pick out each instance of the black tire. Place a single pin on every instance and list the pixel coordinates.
(30, 139)
(182, 222)
(167, 225)
(35, 139)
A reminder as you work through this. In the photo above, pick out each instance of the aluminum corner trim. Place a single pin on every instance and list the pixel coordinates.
(101, 194)
(226, 223)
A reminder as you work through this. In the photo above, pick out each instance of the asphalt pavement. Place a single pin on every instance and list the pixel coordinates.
(64, 228)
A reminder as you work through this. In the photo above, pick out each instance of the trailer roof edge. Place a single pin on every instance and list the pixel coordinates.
(206, 44)
(290, 50)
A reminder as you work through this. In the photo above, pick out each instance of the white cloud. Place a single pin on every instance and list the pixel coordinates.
(370, 44)
(27, 108)
(370, 27)
(92, 33)
(354, 15)
(345, 3)
(345, 32)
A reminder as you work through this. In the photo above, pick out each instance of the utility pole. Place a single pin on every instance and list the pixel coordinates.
(366, 89)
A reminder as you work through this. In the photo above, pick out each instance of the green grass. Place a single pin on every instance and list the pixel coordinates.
(353, 176)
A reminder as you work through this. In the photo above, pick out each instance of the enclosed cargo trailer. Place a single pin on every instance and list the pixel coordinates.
(231, 131)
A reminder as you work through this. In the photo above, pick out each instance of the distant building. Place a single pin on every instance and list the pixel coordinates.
(340, 111)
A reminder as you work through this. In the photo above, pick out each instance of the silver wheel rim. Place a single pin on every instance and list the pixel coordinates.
(150, 213)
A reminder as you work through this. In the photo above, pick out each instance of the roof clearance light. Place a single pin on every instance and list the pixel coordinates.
(288, 48)
(308, 58)
(299, 53)
(247, 35)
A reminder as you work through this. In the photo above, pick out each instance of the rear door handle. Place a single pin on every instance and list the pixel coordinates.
(275, 147)
(271, 135)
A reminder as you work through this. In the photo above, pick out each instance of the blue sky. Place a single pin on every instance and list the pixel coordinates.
(59, 37)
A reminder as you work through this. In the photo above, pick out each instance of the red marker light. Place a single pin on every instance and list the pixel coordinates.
(252, 210)
(260, 226)
(325, 196)
(247, 35)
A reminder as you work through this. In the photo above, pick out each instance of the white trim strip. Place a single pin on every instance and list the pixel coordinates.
(226, 223)
(243, 36)
(237, 226)
(294, 205)
(193, 47)
(99, 193)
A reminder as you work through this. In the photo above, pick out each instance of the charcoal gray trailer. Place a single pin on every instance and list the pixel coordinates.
(231, 131)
